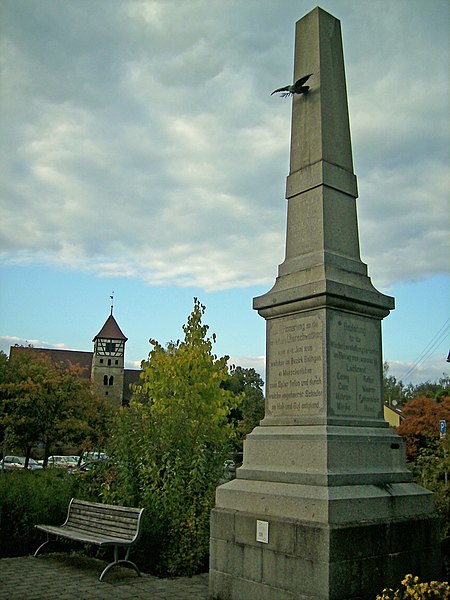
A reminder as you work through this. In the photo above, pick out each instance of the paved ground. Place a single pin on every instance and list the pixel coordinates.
(63, 577)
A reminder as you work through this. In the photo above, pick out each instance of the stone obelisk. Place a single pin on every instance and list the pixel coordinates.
(323, 506)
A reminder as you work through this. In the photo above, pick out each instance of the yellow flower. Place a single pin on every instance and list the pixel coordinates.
(417, 591)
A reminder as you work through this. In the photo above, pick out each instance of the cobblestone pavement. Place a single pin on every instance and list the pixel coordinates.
(64, 577)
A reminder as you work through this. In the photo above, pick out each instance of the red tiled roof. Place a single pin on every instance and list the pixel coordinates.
(57, 356)
(110, 331)
(79, 358)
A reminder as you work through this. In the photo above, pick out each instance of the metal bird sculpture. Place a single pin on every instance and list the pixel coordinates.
(297, 88)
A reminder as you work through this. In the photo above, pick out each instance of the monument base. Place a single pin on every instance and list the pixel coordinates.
(319, 561)
(321, 512)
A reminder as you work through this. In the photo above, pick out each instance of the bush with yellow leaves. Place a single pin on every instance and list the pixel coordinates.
(417, 591)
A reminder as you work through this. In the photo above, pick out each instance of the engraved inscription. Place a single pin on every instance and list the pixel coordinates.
(355, 366)
(295, 384)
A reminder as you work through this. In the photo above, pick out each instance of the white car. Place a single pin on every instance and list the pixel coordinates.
(9, 463)
(63, 461)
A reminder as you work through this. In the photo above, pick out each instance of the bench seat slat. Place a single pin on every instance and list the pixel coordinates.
(86, 536)
(106, 524)
(112, 532)
(109, 525)
(123, 517)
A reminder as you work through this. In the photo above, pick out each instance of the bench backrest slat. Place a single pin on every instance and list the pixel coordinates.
(104, 519)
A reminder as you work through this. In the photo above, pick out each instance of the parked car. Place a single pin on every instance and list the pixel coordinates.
(9, 463)
(63, 461)
(97, 455)
(32, 464)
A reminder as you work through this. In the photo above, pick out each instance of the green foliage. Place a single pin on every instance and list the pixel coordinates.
(431, 389)
(28, 498)
(397, 394)
(247, 384)
(43, 402)
(432, 471)
(169, 449)
(394, 391)
(414, 589)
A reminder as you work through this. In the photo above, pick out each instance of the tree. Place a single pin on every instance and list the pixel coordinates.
(421, 424)
(21, 392)
(247, 415)
(171, 447)
(430, 389)
(394, 391)
(43, 402)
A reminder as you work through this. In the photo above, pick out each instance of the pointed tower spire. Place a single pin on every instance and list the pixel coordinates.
(320, 128)
(108, 361)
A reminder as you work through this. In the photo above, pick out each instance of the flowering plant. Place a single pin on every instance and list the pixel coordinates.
(418, 591)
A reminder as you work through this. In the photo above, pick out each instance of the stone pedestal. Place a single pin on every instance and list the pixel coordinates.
(307, 560)
(323, 507)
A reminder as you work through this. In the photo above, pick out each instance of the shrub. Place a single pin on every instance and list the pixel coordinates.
(431, 470)
(28, 498)
(412, 588)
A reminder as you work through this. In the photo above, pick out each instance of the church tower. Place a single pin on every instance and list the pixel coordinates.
(107, 374)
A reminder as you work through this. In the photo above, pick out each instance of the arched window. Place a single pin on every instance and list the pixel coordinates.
(105, 379)
(111, 380)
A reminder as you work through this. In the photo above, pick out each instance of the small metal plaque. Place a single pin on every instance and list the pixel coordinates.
(262, 531)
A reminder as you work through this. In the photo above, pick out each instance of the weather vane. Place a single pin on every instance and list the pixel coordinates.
(112, 301)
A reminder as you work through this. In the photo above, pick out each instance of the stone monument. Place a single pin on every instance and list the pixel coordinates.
(323, 506)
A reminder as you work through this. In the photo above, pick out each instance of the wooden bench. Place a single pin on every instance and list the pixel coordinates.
(99, 524)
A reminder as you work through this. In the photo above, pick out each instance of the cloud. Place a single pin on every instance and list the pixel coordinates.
(404, 232)
(142, 141)
(6, 341)
(250, 362)
(432, 370)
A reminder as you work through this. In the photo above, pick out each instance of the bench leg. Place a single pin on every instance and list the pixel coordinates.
(116, 561)
(42, 545)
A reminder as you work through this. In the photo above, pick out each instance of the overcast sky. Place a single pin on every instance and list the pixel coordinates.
(140, 146)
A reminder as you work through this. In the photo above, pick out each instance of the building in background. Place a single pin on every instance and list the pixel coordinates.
(105, 366)
(393, 415)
